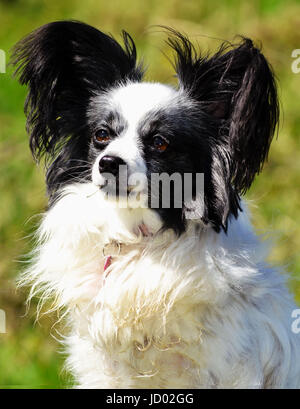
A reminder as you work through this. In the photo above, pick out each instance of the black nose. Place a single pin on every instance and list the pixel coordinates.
(110, 164)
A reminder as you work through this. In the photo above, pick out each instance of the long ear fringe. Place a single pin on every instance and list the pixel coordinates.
(237, 88)
(194, 68)
(254, 119)
(238, 82)
(64, 63)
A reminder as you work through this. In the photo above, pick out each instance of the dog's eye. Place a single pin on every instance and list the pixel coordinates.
(102, 135)
(160, 143)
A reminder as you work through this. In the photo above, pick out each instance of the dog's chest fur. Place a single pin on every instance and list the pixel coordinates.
(181, 314)
(199, 310)
(158, 321)
(144, 323)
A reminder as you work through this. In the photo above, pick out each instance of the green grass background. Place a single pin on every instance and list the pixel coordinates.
(28, 354)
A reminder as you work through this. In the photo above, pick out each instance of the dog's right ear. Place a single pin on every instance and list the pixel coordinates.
(64, 64)
(235, 91)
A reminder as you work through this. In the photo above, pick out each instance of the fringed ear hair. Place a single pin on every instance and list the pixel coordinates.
(64, 64)
(236, 88)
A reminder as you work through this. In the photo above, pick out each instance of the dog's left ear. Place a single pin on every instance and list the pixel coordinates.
(236, 89)
(64, 64)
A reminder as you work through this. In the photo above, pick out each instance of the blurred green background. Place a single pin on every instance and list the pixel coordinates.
(29, 356)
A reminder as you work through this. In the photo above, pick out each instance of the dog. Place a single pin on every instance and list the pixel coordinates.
(175, 294)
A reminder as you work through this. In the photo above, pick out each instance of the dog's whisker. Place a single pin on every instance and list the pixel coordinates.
(92, 194)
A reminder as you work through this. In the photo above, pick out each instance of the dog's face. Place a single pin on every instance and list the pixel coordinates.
(147, 129)
(89, 112)
(129, 131)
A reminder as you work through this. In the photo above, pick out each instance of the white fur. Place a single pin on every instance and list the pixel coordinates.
(202, 310)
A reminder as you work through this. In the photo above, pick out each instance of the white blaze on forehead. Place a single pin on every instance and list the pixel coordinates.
(134, 100)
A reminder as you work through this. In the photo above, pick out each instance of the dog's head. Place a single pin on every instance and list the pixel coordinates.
(89, 112)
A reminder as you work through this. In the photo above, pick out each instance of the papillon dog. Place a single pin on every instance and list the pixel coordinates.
(157, 292)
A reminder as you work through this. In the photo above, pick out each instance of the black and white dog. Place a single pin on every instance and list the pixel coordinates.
(165, 296)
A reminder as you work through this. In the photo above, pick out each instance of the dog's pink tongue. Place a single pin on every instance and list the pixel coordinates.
(107, 262)
(144, 229)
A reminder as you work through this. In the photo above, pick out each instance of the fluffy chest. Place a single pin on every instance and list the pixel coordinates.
(143, 323)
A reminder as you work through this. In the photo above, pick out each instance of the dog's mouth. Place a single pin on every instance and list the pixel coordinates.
(103, 185)
(119, 189)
